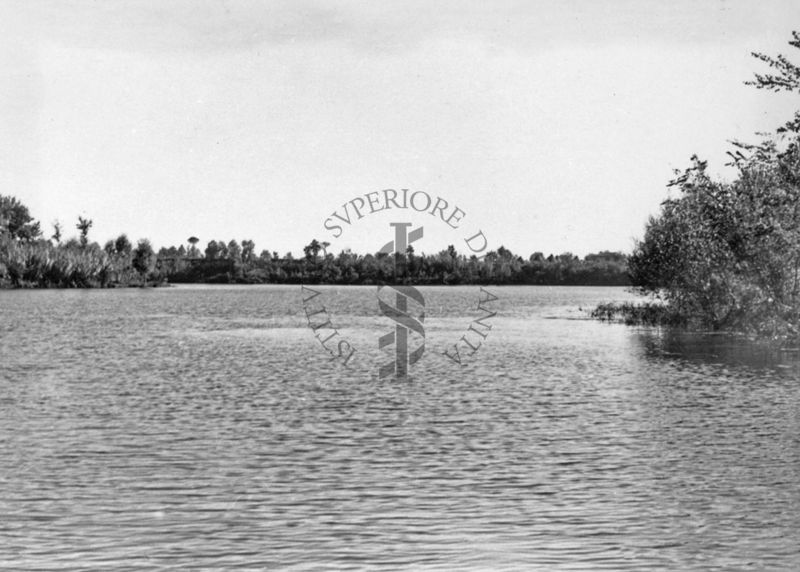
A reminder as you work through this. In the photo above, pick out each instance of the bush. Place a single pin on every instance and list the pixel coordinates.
(727, 255)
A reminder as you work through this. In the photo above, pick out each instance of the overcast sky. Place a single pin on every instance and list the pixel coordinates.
(553, 125)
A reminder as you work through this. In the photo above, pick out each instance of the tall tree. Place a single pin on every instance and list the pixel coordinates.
(248, 251)
(312, 249)
(234, 251)
(57, 232)
(16, 220)
(212, 250)
(193, 252)
(122, 245)
(144, 259)
(223, 249)
(84, 224)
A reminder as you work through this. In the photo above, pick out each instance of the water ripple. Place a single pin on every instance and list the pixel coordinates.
(204, 428)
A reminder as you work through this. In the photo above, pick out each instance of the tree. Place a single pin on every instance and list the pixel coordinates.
(84, 224)
(505, 253)
(144, 259)
(248, 251)
(312, 249)
(56, 232)
(234, 251)
(71, 244)
(193, 251)
(727, 255)
(16, 221)
(223, 249)
(122, 245)
(785, 78)
(212, 250)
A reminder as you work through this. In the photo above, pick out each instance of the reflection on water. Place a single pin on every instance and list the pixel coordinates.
(204, 428)
(718, 349)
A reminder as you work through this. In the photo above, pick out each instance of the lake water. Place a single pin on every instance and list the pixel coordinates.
(206, 428)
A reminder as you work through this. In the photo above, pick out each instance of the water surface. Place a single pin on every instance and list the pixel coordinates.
(205, 427)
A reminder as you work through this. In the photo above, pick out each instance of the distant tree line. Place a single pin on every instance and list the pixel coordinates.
(233, 262)
(27, 259)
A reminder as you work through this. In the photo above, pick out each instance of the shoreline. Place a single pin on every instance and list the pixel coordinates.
(323, 284)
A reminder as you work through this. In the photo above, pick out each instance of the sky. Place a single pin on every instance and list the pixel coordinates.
(554, 126)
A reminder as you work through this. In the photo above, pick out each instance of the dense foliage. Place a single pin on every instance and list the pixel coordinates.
(28, 260)
(73, 264)
(16, 223)
(726, 255)
(232, 262)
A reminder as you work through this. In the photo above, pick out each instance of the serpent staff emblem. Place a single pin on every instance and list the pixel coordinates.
(405, 321)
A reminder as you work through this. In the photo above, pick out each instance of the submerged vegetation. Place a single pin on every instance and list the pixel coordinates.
(725, 255)
(639, 314)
